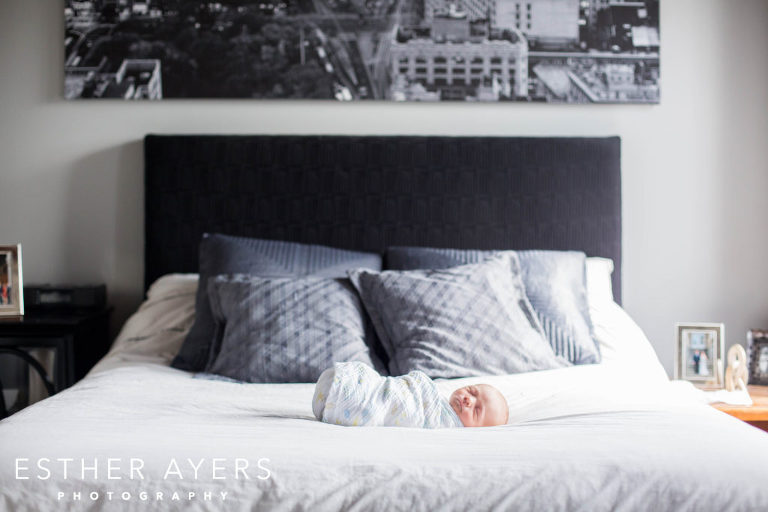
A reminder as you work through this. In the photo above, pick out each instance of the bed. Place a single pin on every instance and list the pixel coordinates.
(137, 433)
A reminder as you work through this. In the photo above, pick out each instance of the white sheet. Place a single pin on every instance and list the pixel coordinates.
(575, 445)
(595, 437)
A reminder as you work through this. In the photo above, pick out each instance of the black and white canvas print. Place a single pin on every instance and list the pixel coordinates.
(562, 51)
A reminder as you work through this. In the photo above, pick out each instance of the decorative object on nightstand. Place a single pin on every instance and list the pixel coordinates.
(757, 350)
(736, 375)
(11, 283)
(755, 414)
(58, 346)
(699, 353)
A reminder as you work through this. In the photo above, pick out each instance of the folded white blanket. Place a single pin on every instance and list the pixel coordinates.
(736, 397)
(354, 394)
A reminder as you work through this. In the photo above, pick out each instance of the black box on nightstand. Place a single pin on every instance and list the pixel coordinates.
(48, 296)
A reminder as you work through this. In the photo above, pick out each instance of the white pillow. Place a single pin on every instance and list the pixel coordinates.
(621, 340)
(154, 333)
(173, 284)
(599, 284)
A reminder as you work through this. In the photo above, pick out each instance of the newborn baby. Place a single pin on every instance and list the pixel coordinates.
(480, 405)
(354, 394)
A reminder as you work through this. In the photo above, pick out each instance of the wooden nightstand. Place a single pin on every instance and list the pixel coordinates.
(79, 338)
(756, 414)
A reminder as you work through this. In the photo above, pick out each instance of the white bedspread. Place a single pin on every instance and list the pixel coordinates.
(575, 444)
(592, 438)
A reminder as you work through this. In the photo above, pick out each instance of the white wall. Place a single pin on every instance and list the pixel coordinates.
(695, 168)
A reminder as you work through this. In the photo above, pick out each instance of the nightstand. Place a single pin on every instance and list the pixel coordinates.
(756, 414)
(78, 338)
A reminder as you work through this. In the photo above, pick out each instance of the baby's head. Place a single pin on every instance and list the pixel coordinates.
(480, 405)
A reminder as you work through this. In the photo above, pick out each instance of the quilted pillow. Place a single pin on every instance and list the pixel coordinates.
(222, 254)
(285, 329)
(456, 322)
(555, 284)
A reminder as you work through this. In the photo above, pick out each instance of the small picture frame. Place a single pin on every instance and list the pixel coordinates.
(757, 352)
(699, 354)
(11, 283)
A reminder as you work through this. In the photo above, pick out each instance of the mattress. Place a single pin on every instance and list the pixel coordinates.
(136, 434)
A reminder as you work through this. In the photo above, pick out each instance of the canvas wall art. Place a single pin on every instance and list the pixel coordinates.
(559, 51)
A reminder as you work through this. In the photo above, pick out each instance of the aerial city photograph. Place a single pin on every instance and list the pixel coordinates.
(559, 51)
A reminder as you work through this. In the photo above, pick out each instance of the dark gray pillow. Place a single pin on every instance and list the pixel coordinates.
(555, 283)
(285, 329)
(222, 254)
(456, 322)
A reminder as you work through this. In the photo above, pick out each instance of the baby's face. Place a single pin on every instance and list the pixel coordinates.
(480, 405)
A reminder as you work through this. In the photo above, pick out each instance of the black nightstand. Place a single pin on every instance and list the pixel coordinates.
(79, 339)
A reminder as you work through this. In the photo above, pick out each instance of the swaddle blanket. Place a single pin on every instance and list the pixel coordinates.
(354, 394)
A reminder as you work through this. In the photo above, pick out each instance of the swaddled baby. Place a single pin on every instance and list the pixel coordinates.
(354, 394)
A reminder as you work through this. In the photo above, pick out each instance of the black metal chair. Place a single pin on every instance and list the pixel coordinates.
(22, 399)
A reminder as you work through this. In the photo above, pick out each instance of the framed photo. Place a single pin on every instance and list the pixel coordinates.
(699, 354)
(757, 351)
(11, 284)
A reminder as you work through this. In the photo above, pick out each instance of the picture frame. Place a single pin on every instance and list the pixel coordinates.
(700, 352)
(11, 281)
(757, 354)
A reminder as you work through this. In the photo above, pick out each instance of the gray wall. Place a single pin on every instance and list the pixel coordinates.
(695, 167)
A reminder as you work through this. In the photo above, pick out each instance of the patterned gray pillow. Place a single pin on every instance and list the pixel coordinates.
(285, 329)
(222, 254)
(555, 283)
(456, 322)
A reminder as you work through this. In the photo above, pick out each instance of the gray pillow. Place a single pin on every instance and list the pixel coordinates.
(222, 254)
(285, 329)
(456, 322)
(555, 283)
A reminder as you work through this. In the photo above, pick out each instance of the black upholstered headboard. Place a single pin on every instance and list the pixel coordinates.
(370, 192)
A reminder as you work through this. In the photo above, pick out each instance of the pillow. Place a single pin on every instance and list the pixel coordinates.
(622, 342)
(285, 329)
(155, 331)
(555, 283)
(221, 254)
(599, 283)
(456, 322)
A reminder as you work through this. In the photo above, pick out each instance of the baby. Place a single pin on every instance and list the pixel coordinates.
(354, 394)
(480, 405)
